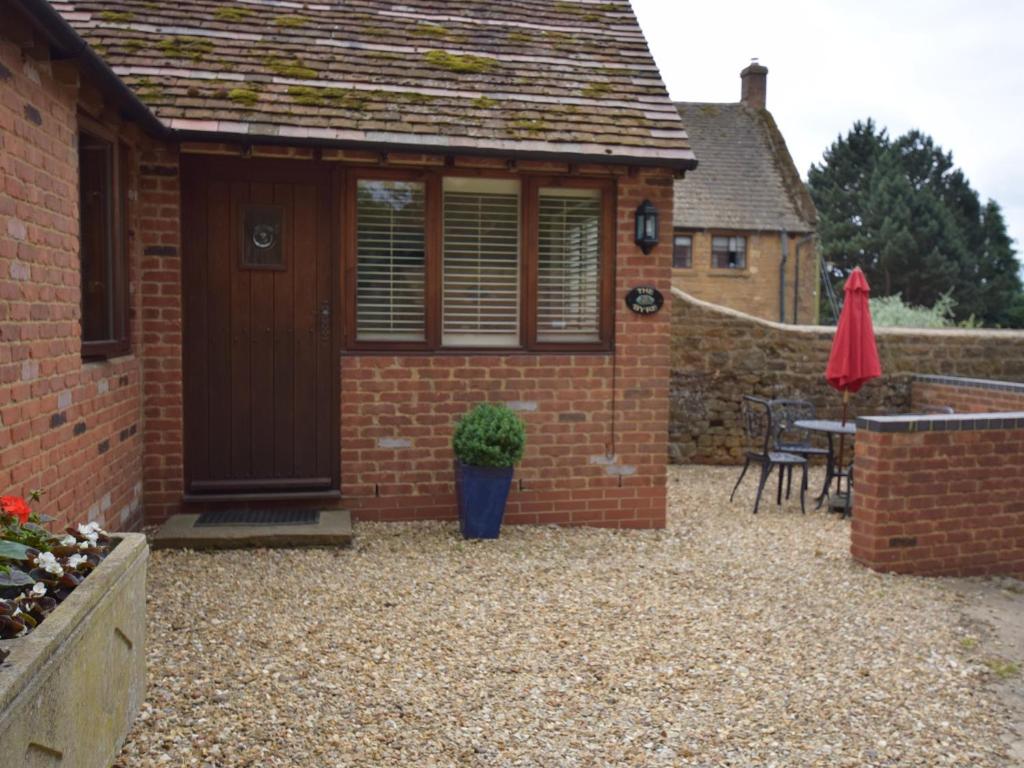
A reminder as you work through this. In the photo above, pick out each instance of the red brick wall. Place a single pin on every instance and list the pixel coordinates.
(596, 422)
(596, 437)
(941, 502)
(967, 395)
(71, 429)
(159, 235)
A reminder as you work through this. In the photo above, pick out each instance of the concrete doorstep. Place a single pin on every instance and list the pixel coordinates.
(334, 529)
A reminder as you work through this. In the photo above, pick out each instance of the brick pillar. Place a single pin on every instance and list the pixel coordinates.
(160, 235)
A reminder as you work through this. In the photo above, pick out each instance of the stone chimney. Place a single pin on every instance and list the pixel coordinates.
(755, 85)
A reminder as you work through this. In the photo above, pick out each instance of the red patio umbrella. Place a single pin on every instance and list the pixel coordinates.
(854, 357)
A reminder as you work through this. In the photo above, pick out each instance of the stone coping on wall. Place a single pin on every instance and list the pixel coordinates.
(959, 381)
(829, 330)
(964, 422)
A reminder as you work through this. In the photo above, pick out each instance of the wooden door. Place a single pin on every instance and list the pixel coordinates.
(260, 362)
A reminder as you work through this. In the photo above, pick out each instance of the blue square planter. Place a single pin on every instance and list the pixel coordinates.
(482, 493)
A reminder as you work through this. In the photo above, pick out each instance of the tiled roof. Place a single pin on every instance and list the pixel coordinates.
(746, 179)
(572, 77)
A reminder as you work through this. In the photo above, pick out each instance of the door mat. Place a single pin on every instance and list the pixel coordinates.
(259, 517)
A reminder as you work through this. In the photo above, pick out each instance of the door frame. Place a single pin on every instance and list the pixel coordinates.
(196, 169)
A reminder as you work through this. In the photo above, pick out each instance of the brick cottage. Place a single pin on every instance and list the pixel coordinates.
(261, 252)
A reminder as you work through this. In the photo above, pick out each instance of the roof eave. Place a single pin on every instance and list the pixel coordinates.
(679, 160)
(71, 45)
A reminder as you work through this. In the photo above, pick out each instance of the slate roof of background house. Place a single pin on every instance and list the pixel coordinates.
(746, 179)
(572, 77)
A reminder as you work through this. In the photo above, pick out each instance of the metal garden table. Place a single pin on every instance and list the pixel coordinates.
(830, 428)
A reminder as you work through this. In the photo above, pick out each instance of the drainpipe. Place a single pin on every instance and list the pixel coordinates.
(803, 241)
(784, 239)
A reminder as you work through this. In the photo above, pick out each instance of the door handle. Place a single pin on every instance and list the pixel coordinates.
(325, 320)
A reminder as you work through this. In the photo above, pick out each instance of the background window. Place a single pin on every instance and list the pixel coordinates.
(682, 251)
(569, 265)
(729, 252)
(102, 250)
(390, 261)
(480, 276)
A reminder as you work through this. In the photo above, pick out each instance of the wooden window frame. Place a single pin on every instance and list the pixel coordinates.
(746, 250)
(120, 344)
(683, 233)
(530, 185)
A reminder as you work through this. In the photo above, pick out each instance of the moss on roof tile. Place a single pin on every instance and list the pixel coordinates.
(309, 96)
(291, 20)
(185, 47)
(460, 63)
(245, 96)
(121, 16)
(594, 90)
(232, 13)
(293, 68)
(484, 102)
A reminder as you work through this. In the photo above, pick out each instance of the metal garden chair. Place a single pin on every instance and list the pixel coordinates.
(788, 438)
(756, 413)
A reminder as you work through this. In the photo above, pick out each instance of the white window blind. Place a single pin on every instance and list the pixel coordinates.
(481, 262)
(391, 272)
(569, 265)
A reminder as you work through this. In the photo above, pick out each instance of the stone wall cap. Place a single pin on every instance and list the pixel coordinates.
(961, 381)
(962, 422)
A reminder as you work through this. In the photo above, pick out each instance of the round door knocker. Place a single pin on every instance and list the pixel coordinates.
(264, 236)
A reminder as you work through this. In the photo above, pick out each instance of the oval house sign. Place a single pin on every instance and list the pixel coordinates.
(644, 300)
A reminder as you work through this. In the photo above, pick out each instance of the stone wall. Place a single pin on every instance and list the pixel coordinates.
(720, 354)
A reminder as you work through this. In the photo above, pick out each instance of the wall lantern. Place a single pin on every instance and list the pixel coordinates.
(646, 226)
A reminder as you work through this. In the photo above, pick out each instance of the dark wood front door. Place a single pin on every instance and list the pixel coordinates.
(260, 362)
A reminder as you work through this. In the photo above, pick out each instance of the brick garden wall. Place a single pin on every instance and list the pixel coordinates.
(940, 495)
(967, 395)
(70, 428)
(719, 355)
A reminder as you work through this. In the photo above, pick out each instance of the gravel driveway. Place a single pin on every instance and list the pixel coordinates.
(726, 639)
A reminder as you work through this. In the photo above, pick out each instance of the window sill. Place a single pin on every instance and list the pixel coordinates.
(719, 272)
(479, 351)
(104, 352)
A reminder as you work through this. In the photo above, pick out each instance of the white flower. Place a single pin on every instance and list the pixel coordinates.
(91, 530)
(68, 541)
(76, 560)
(49, 563)
(38, 590)
(86, 544)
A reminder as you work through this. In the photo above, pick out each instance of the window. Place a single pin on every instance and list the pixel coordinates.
(682, 251)
(481, 263)
(102, 248)
(569, 265)
(390, 261)
(440, 261)
(729, 252)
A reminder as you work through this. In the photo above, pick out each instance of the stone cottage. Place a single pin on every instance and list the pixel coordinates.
(265, 253)
(744, 222)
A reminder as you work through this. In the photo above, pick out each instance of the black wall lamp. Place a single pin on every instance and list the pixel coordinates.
(646, 226)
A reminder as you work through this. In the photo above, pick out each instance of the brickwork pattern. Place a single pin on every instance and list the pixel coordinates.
(754, 290)
(69, 428)
(719, 355)
(963, 397)
(940, 503)
(595, 422)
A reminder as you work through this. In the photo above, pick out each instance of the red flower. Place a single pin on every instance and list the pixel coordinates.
(16, 507)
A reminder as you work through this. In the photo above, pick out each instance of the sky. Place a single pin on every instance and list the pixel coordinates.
(953, 69)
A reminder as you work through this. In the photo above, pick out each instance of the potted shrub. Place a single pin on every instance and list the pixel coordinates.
(488, 443)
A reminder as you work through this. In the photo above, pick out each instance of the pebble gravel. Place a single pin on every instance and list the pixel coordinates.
(724, 640)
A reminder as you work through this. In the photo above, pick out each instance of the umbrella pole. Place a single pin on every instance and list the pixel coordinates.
(842, 436)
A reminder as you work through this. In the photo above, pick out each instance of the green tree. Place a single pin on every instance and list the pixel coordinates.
(903, 212)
